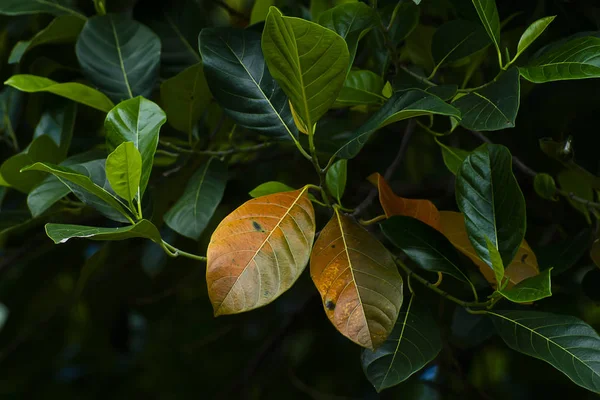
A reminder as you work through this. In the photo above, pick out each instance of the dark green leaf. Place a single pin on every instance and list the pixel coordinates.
(192, 212)
(240, 81)
(531, 289)
(407, 19)
(545, 186)
(119, 55)
(54, 7)
(493, 107)
(270, 188)
(567, 343)
(563, 255)
(124, 170)
(61, 233)
(336, 179)
(361, 87)
(136, 120)
(58, 124)
(413, 343)
(402, 105)
(488, 14)
(453, 156)
(489, 196)
(456, 40)
(572, 182)
(532, 32)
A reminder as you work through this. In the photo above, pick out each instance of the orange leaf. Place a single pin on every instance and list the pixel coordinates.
(258, 251)
(358, 281)
(423, 210)
(523, 266)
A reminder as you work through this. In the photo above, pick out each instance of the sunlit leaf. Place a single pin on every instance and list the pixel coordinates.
(271, 187)
(260, 10)
(532, 32)
(124, 170)
(496, 261)
(60, 233)
(531, 289)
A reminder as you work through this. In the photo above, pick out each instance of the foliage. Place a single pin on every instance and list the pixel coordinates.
(260, 133)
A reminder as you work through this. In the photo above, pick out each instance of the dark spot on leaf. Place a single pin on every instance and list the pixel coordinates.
(333, 246)
(330, 305)
(257, 226)
(524, 258)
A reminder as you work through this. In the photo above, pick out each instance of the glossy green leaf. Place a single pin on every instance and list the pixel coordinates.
(271, 187)
(572, 182)
(71, 90)
(240, 81)
(58, 124)
(532, 32)
(54, 7)
(424, 245)
(489, 196)
(194, 209)
(493, 107)
(136, 120)
(402, 105)
(496, 260)
(119, 55)
(185, 97)
(61, 233)
(545, 186)
(531, 289)
(456, 40)
(336, 179)
(352, 21)
(124, 170)
(414, 342)
(565, 342)
(63, 29)
(490, 19)
(562, 255)
(578, 58)
(308, 61)
(361, 87)
(453, 156)
(260, 10)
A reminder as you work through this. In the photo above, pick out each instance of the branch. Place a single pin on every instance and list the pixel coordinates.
(572, 196)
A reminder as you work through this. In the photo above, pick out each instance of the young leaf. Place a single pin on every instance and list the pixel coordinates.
(271, 187)
(496, 261)
(259, 250)
(567, 343)
(71, 90)
(423, 210)
(60, 233)
(308, 61)
(402, 105)
(336, 179)
(576, 58)
(124, 170)
(571, 182)
(358, 281)
(184, 98)
(413, 343)
(54, 7)
(493, 107)
(456, 40)
(136, 120)
(427, 247)
(352, 21)
(490, 198)
(361, 87)
(531, 289)
(240, 81)
(453, 157)
(119, 55)
(532, 32)
(63, 29)
(488, 14)
(203, 193)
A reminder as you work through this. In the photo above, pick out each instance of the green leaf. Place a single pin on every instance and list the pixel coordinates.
(54, 7)
(493, 107)
(124, 170)
(240, 81)
(361, 87)
(532, 32)
(194, 209)
(488, 14)
(453, 156)
(63, 29)
(352, 21)
(185, 97)
(565, 342)
(271, 187)
(578, 58)
(414, 342)
(424, 245)
(402, 105)
(136, 120)
(308, 61)
(407, 19)
(531, 289)
(71, 90)
(61, 233)
(496, 261)
(58, 124)
(562, 255)
(260, 9)
(336, 179)
(489, 196)
(85, 189)
(119, 55)
(545, 186)
(572, 182)
(456, 40)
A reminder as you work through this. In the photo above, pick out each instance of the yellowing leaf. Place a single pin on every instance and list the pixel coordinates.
(258, 251)
(523, 266)
(423, 210)
(358, 281)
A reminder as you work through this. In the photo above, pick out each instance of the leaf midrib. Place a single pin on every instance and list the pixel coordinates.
(121, 61)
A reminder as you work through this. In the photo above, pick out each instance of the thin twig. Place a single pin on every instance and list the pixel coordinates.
(217, 153)
(572, 196)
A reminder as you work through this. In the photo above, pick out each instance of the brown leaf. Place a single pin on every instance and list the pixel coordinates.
(523, 266)
(423, 210)
(358, 281)
(258, 251)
